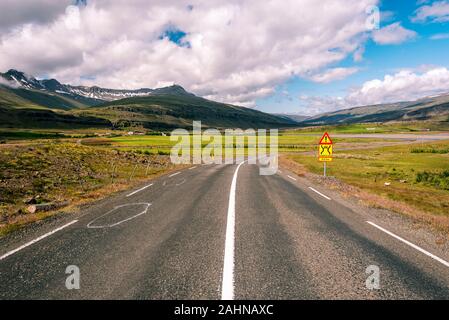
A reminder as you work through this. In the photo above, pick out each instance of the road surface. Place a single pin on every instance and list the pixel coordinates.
(220, 232)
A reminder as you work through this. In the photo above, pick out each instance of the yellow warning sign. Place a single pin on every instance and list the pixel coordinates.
(325, 150)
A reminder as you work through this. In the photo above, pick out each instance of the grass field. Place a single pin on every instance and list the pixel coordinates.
(394, 127)
(287, 142)
(417, 175)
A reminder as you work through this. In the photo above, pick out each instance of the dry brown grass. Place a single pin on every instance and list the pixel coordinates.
(291, 165)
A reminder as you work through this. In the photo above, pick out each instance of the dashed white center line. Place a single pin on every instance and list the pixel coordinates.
(137, 191)
(36, 240)
(292, 178)
(191, 168)
(174, 174)
(414, 246)
(227, 287)
(316, 191)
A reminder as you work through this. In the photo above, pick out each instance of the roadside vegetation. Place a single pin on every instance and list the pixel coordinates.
(64, 175)
(408, 179)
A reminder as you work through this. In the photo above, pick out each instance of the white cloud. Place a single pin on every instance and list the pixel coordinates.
(435, 12)
(405, 85)
(333, 74)
(313, 105)
(440, 36)
(15, 13)
(239, 50)
(358, 54)
(6, 83)
(393, 34)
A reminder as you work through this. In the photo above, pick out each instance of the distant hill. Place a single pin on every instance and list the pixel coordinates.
(40, 118)
(291, 116)
(23, 97)
(431, 108)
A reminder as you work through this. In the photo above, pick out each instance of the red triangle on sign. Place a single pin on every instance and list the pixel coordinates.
(326, 139)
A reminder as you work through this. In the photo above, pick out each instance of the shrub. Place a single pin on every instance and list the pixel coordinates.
(439, 180)
(430, 150)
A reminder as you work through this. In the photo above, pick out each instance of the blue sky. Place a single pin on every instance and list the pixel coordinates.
(378, 60)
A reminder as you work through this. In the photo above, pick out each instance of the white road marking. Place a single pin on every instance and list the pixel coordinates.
(174, 174)
(414, 246)
(36, 240)
(292, 178)
(191, 168)
(89, 226)
(137, 191)
(324, 196)
(227, 287)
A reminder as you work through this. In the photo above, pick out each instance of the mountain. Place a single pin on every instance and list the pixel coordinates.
(24, 98)
(175, 108)
(45, 93)
(429, 108)
(89, 96)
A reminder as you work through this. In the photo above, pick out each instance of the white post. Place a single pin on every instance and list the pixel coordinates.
(324, 168)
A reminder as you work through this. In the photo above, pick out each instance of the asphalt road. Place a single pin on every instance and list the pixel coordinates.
(189, 236)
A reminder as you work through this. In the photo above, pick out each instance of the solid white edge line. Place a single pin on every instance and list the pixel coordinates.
(291, 177)
(316, 191)
(36, 240)
(174, 174)
(137, 191)
(227, 287)
(191, 168)
(414, 246)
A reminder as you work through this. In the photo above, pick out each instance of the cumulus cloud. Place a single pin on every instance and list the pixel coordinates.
(333, 74)
(435, 12)
(238, 50)
(405, 85)
(393, 34)
(15, 13)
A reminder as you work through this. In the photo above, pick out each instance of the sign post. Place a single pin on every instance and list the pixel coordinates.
(325, 150)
